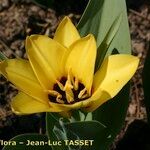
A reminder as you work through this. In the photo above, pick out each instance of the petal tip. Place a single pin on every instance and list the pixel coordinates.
(90, 37)
(134, 59)
(15, 111)
(66, 32)
(66, 19)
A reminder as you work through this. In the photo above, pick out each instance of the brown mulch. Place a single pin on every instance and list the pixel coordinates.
(139, 22)
(17, 20)
(140, 34)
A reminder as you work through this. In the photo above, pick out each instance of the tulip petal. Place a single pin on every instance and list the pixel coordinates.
(96, 100)
(19, 72)
(114, 73)
(81, 60)
(45, 57)
(66, 108)
(66, 33)
(23, 104)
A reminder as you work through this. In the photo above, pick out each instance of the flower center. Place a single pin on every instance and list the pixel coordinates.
(68, 90)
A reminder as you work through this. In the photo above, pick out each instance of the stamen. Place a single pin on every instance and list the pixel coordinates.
(68, 84)
(59, 99)
(82, 93)
(57, 95)
(68, 90)
(85, 96)
(60, 85)
(76, 84)
(70, 98)
(69, 93)
(54, 93)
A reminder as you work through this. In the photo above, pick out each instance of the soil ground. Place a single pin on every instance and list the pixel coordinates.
(21, 18)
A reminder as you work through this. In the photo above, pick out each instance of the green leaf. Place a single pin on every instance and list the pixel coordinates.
(78, 131)
(81, 127)
(98, 19)
(22, 142)
(56, 130)
(2, 56)
(60, 129)
(113, 114)
(78, 115)
(86, 130)
(103, 48)
(146, 84)
(62, 134)
(51, 121)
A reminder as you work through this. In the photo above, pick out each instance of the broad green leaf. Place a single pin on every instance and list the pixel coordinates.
(98, 19)
(63, 134)
(146, 84)
(80, 130)
(86, 130)
(56, 130)
(62, 130)
(104, 46)
(81, 127)
(22, 142)
(113, 114)
(2, 56)
(51, 120)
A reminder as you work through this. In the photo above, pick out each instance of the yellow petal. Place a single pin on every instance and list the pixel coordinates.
(81, 60)
(66, 33)
(96, 101)
(114, 73)
(67, 107)
(19, 72)
(3, 65)
(23, 104)
(45, 57)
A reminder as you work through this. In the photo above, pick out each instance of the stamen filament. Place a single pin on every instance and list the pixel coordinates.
(69, 97)
(68, 90)
(53, 93)
(82, 93)
(60, 85)
(76, 84)
(68, 83)
(85, 96)
(57, 95)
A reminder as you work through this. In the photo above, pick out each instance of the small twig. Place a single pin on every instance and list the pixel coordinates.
(139, 14)
(44, 25)
(7, 48)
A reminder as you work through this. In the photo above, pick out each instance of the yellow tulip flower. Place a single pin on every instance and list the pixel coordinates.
(59, 75)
